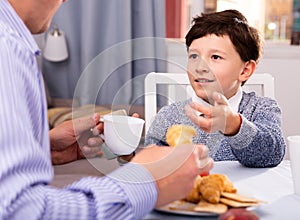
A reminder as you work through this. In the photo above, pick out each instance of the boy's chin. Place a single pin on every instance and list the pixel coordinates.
(204, 96)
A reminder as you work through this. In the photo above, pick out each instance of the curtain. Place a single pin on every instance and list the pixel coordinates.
(112, 45)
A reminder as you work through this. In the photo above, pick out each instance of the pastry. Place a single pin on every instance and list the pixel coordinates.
(211, 188)
(194, 196)
(180, 134)
(209, 207)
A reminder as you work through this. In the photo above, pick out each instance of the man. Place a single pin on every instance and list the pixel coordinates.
(25, 166)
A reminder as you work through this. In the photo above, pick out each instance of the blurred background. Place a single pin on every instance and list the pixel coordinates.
(277, 20)
(112, 45)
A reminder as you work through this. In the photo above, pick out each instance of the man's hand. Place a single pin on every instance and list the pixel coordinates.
(174, 169)
(73, 139)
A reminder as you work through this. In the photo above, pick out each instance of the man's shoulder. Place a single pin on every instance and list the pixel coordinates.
(10, 41)
(6, 31)
(8, 36)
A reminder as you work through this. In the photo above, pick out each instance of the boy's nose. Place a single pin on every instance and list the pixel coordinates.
(202, 66)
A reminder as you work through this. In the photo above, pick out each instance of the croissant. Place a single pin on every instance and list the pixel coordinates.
(228, 185)
(211, 188)
(194, 196)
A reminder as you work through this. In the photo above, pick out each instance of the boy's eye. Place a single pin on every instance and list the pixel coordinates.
(193, 56)
(216, 57)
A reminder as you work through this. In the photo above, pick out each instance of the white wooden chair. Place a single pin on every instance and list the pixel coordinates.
(178, 87)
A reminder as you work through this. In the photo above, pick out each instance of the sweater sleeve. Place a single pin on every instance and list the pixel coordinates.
(259, 143)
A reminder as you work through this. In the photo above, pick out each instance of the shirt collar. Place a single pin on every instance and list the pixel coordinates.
(234, 101)
(12, 19)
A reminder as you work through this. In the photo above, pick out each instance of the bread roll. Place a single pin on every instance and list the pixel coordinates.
(180, 134)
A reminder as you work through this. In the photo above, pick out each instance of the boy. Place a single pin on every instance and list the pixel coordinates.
(223, 51)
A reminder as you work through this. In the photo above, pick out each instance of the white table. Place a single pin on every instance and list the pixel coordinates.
(273, 185)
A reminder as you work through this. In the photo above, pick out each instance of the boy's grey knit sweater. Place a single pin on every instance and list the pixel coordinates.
(259, 143)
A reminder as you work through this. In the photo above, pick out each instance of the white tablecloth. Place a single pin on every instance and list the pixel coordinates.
(273, 185)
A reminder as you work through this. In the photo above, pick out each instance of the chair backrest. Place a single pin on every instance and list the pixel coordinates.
(263, 84)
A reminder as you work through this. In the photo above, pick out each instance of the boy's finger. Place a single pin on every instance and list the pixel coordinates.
(220, 99)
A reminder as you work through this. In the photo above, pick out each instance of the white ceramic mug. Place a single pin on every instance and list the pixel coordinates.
(294, 153)
(122, 134)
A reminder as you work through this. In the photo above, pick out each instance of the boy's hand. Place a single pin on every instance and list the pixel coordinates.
(219, 117)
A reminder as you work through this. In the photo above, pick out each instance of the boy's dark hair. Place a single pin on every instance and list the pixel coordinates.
(246, 39)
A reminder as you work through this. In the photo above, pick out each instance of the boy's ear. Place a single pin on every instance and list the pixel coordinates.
(248, 70)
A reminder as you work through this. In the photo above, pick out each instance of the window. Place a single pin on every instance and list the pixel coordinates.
(277, 20)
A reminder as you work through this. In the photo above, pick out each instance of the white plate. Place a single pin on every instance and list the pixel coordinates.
(183, 208)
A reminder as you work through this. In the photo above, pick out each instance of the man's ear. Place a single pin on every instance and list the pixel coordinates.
(248, 70)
